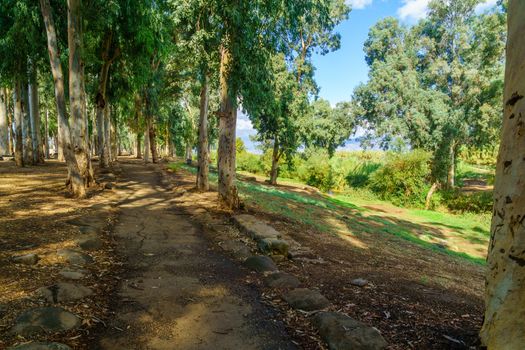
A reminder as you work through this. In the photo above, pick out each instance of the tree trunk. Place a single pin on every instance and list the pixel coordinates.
(79, 130)
(26, 127)
(504, 321)
(274, 172)
(152, 140)
(17, 111)
(146, 146)
(4, 125)
(46, 134)
(451, 174)
(34, 108)
(430, 193)
(202, 149)
(138, 155)
(228, 196)
(65, 149)
(10, 122)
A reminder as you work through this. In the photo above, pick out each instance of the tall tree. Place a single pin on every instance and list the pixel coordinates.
(4, 124)
(505, 280)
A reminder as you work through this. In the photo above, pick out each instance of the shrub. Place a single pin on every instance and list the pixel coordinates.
(475, 202)
(250, 162)
(316, 170)
(359, 176)
(403, 178)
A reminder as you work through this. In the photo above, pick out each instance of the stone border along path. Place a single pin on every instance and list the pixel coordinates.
(338, 330)
(41, 321)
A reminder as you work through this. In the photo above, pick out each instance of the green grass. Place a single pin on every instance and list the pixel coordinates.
(356, 212)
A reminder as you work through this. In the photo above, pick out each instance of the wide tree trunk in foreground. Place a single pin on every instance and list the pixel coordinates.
(228, 196)
(79, 130)
(65, 149)
(202, 149)
(274, 172)
(504, 323)
(17, 111)
(4, 125)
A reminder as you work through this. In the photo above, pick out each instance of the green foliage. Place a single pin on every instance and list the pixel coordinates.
(402, 179)
(316, 171)
(476, 202)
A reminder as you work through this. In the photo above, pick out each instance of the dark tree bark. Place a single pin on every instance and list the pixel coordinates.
(202, 149)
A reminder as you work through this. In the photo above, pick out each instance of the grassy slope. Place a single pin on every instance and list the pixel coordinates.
(463, 236)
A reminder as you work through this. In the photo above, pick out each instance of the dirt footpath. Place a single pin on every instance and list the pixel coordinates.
(178, 293)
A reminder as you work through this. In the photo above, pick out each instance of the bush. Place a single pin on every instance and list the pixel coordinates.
(359, 176)
(317, 171)
(475, 202)
(250, 162)
(403, 178)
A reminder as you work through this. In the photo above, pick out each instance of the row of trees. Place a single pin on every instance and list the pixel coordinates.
(174, 74)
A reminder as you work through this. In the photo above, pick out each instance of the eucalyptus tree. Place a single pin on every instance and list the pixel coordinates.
(505, 274)
(4, 124)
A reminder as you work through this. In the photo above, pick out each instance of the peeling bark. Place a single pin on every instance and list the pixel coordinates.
(504, 321)
(19, 149)
(202, 149)
(228, 196)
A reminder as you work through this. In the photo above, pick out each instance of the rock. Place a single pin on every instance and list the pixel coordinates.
(237, 249)
(44, 319)
(74, 257)
(273, 246)
(63, 291)
(89, 243)
(255, 228)
(108, 185)
(342, 332)
(260, 263)
(360, 282)
(27, 259)
(281, 280)
(306, 299)
(73, 274)
(40, 346)
(88, 230)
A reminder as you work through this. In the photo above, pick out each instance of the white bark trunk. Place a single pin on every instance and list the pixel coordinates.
(504, 322)
(4, 142)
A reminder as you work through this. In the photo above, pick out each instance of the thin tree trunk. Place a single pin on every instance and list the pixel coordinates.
(4, 125)
(38, 154)
(46, 134)
(114, 140)
(430, 193)
(10, 122)
(64, 147)
(228, 196)
(146, 146)
(101, 102)
(274, 172)
(79, 130)
(138, 155)
(152, 140)
(26, 128)
(19, 149)
(451, 174)
(202, 149)
(504, 321)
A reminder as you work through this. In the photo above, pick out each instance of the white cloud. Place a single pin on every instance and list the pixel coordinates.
(413, 9)
(359, 4)
(487, 4)
(244, 124)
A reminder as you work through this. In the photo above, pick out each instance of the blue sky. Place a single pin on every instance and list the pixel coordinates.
(339, 72)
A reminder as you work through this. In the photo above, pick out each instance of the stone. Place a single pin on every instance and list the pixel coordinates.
(27, 259)
(273, 246)
(40, 346)
(306, 299)
(108, 185)
(44, 320)
(89, 243)
(281, 280)
(73, 274)
(360, 282)
(74, 257)
(238, 249)
(88, 230)
(260, 263)
(63, 291)
(255, 228)
(340, 332)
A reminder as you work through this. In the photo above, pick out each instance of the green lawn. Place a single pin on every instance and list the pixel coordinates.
(465, 236)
